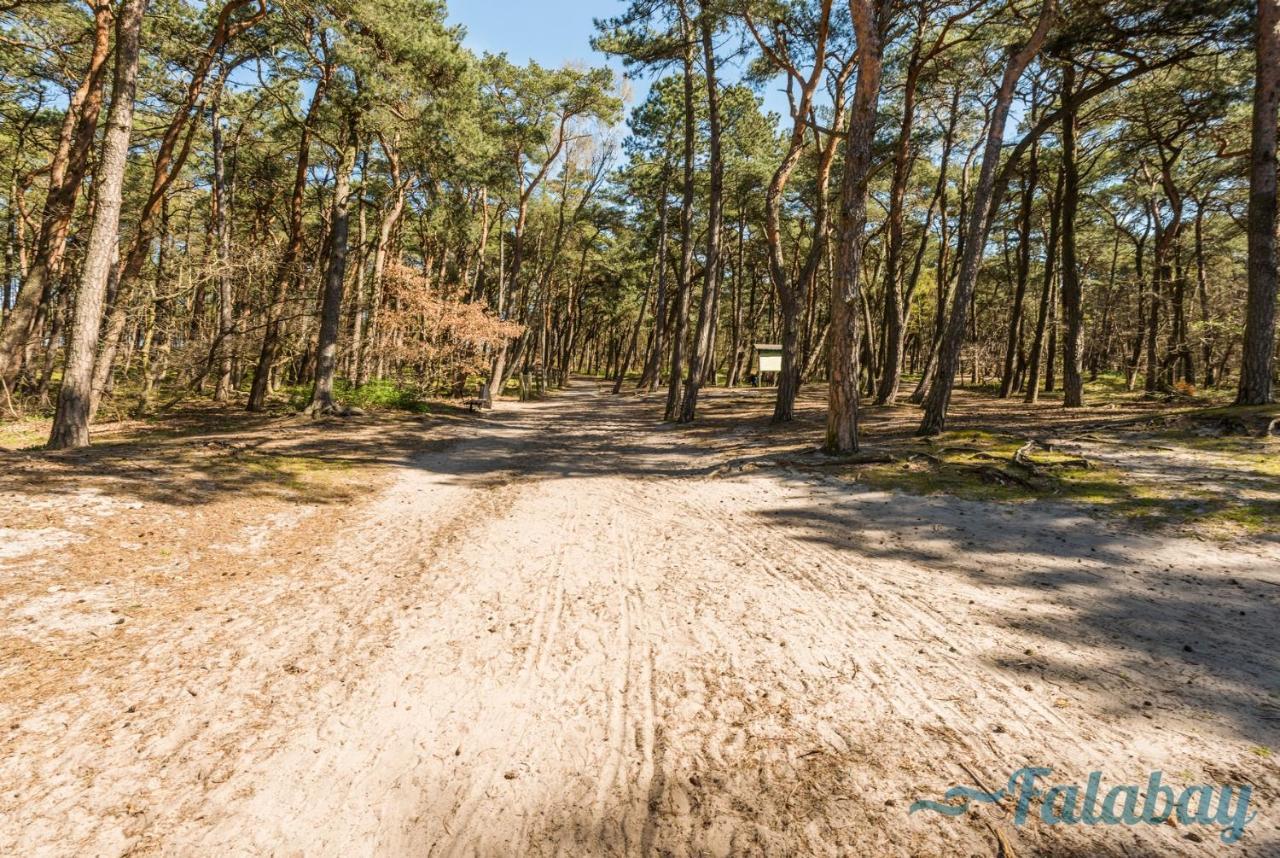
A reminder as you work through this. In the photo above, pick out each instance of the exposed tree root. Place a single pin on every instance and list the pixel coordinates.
(331, 409)
(1023, 459)
(991, 473)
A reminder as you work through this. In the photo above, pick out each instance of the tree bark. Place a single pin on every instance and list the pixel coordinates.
(335, 278)
(703, 353)
(222, 234)
(895, 307)
(1257, 360)
(649, 378)
(1207, 336)
(1139, 283)
(1046, 294)
(842, 387)
(71, 421)
(359, 298)
(685, 288)
(1072, 291)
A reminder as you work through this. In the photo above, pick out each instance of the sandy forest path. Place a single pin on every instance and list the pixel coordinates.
(562, 634)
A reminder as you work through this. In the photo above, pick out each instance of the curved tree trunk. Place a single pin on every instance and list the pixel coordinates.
(948, 358)
(895, 305)
(792, 297)
(66, 174)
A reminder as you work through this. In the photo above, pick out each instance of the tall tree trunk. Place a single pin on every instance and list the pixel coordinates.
(71, 421)
(1257, 363)
(1046, 294)
(684, 289)
(1151, 381)
(734, 356)
(895, 307)
(649, 378)
(476, 289)
(171, 156)
(1184, 359)
(13, 230)
(1072, 291)
(1139, 336)
(1030, 181)
(504, 360)
(948, 360)
(942, 280)
(176, 141)
(157, 309)
(1207, 337)
(222, 234)
(1051, 348)
(57, 320)
(703, 353)
(390, 219)
(334, 278)
(842, 387)
(658, 274)
(1102, 351)
(359, 300)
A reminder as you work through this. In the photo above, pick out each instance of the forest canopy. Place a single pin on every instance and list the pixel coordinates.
(245, 199)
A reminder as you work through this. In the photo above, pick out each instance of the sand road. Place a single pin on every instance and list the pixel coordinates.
(562, 632)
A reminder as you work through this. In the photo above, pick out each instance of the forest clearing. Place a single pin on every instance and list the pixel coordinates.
(639, 427)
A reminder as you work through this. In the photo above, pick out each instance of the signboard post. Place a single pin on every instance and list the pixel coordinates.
(768, 360)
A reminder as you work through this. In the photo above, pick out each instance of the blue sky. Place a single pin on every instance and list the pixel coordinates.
(549, 31)
(552, 32)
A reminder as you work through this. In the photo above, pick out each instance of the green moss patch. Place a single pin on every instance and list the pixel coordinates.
(993, 466)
